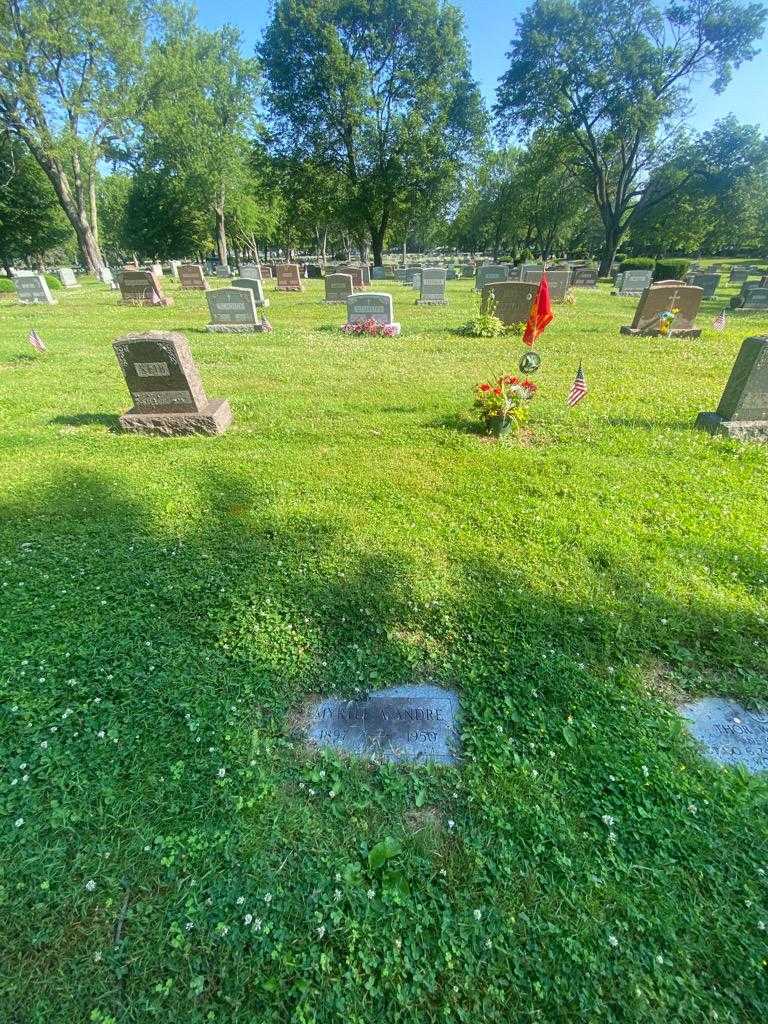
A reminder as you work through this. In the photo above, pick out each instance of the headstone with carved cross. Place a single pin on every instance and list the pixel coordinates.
(667, 297)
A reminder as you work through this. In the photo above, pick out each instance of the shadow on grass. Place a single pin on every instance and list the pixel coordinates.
(89, 419)
(461, 423)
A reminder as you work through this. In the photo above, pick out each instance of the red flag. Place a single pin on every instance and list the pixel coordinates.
(541, 313)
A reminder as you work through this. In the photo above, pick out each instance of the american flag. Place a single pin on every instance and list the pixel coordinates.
(578, 388)
(719, 322)
(36, 341)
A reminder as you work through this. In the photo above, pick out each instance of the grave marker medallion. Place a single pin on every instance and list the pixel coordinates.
(168, 396)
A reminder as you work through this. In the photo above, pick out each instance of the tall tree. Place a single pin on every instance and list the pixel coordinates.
(67, 77)
(31, 220)
(381, 92)
(199, 116)
(609, 74)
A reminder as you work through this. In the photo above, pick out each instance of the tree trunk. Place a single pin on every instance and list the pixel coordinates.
(221, 234)
(610, 247)
(94, 209)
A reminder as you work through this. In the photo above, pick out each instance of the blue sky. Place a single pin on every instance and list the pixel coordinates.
(490, 27)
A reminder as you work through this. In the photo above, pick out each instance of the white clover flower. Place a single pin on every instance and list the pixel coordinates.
(18, 823)
(257, 924)
(44, 745)
(370, 894)
(101, 734)
(331, 793)
(189, 926)
(247, 919)
(337, 894)
(761, 926)
(90, 885)
(478, 914)
(451, 823)
(645, 770)
(608, 820)
(97, 957)
(659, 959)
(221, 772)
(240, 901)
(268, 898)
(321, 931)
(692, 809)
(611, 837)
(613, 941)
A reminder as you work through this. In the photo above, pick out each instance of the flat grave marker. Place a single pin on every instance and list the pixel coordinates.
(729, 733)
(165, 386)
(399, 725)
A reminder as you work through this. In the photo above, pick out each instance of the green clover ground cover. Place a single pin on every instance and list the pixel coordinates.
(169, 852)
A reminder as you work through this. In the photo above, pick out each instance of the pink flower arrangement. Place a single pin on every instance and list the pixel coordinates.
(370, 327)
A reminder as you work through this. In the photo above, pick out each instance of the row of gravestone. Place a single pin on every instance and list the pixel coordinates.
(560, 279)
(169, 399)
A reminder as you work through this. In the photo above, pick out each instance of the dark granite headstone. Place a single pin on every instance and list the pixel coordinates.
(743, 409)
(558, 281)
(665, 297)
(401, 724)
(709, 283)
(168, 396)
(338, 287)
(512, 300)
(584, 277)
(729, 733)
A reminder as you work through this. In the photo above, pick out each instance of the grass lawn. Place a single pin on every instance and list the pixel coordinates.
(170, 853)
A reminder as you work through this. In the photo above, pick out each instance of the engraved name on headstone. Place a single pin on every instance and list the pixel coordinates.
(233, 310)
(729, 733)
(401, 724)
(338, 287)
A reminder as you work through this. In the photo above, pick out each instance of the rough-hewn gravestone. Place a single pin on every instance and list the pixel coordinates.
(432, 291)
(289, 278)
(490, 273)
(633, 282)
(255, 286)
(753, 295)
(729, 733)
(558, 281)
(168, 396)
(512, 300)
(233, 311)
(338, 287)
(743, 409)
(67, 277)
(141, 288)
(376, 306)
(191, 276)
(584, 277)
(401, 724)
(662, 298)
(709, 283)
(33, 288)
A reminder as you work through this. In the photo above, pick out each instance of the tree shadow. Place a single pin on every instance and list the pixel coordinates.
(461, 423)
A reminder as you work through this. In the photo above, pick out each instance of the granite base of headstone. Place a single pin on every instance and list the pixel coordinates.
(743, 409)
(168, 395)
(729, 733)
(404, 724)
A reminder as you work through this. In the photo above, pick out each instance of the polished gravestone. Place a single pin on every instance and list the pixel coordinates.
(376, 306)
(633, 282)
(729, 733)
(743, 409)
(432, 291)
(168, 395)
(511, 300)
(666, 296)
(255, 285)
(403, 723)
(338, 287)
(489, 274)
(584, 277)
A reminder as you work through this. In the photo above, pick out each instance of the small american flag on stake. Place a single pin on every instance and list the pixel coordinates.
(36, 342)
(578, 388)
(719, 322)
